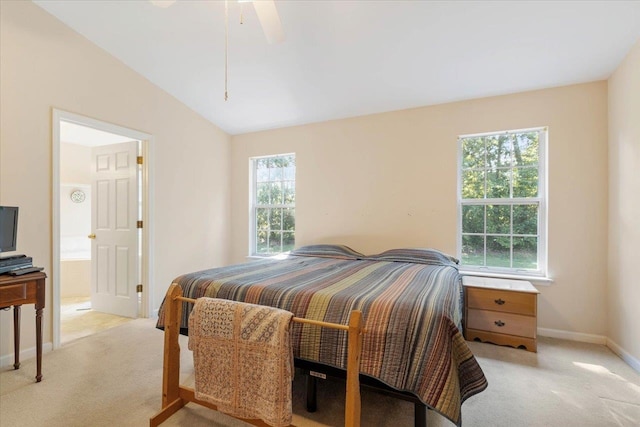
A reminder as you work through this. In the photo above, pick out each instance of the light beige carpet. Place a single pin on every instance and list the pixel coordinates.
(114, 378)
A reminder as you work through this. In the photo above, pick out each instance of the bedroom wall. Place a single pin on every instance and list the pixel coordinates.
(389, 180)
(624, 206)
(45, 65)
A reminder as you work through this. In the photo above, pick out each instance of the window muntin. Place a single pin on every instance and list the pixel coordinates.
(273, 204)
(502, 206)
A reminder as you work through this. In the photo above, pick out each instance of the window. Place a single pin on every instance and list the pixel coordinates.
(273, 203)
(502, 205)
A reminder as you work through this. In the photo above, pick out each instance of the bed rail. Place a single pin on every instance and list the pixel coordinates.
(175, 396)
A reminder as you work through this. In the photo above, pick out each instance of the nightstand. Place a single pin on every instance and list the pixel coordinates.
(500, 311)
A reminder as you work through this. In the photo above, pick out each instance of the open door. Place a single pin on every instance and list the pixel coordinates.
(114, 248)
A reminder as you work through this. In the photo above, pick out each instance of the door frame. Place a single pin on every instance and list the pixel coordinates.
(147, 177)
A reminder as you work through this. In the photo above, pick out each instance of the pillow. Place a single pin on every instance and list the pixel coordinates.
(328, 251)
(416, 255)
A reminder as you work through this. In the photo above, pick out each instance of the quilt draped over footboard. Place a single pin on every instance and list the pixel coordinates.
(412, 312)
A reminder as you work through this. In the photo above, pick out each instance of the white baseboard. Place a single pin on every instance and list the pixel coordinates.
(624, 355)
(573, 336)
(8, 359)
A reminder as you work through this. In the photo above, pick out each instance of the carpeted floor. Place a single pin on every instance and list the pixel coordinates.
(114, 378)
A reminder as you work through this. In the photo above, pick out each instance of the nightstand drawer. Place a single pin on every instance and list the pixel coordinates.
(498, 300)
(503, 323)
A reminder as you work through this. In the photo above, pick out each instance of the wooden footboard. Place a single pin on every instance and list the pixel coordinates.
(175, 396)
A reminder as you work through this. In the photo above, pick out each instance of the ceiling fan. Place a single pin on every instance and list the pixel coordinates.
(267, 15)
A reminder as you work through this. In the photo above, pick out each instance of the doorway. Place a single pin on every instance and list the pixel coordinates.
(101, 251)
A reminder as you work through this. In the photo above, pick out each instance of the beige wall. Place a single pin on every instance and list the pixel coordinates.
(75, 278)
(75, 164)
(624, 204)
(389, 180)
(45, 65)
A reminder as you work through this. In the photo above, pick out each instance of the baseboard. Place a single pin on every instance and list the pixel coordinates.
(624, 355)
(8, 359)
(572, 336)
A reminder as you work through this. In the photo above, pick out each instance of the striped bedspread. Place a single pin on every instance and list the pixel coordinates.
(412, 313)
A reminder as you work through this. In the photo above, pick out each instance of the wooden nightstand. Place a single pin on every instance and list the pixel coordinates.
(500, 311)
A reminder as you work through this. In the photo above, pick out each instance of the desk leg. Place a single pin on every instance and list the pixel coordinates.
(39, 344)
(16, 336)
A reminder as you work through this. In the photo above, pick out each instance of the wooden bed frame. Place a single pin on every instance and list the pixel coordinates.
(175, 396)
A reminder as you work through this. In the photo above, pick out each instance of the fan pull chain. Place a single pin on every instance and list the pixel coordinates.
(226, 48)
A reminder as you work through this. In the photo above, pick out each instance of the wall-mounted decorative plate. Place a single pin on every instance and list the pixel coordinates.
(77, 196)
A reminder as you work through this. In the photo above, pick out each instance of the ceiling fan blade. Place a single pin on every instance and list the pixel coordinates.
(269, 19)
(162, 3)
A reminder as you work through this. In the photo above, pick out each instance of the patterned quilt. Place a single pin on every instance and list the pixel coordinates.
(412, 309)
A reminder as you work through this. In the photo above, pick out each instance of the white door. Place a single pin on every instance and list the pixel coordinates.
(114, 211)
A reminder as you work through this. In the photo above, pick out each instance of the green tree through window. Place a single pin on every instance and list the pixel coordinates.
(273, 222)
(502, 201)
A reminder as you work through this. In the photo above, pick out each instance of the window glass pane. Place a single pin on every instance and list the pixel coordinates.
(498, 251)
(262, 174)
(473, 185)
(498, 151)
(263, 192)
(275, 241)
(473, 250)
(525, 182)
(262, 246)
(525, 252)
(262, 170)
(262, 218)
(275, 173)
(499, 219)
(288, 241)
(472, 219)
(289, 192)
(275, 221)
(472, 153)
(498, 183)
(289, 172)
(525, 219)
(525, 149)
(288, 219)
(276, 193)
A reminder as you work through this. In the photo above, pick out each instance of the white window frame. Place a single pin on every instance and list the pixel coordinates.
(541, 201)
(253, 191)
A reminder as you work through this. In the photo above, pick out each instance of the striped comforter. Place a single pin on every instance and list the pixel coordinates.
(412, 313)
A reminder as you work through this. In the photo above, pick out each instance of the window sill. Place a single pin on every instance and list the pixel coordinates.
(540, 280)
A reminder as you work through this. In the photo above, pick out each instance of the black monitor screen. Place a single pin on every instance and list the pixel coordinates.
(8, 228)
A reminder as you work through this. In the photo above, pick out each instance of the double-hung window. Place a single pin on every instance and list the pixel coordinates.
(502, 202)
(273, 203)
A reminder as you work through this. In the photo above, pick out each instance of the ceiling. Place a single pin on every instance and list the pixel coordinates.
(350, 58)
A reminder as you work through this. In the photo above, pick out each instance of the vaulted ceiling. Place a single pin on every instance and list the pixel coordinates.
(348, 58)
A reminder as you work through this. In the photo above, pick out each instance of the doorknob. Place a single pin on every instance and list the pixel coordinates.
(91, 236)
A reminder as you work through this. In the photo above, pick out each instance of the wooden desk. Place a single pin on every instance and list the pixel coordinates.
(18, 290)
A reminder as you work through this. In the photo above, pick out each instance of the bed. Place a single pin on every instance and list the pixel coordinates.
(410, 299)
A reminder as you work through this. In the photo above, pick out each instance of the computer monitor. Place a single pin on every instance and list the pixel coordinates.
(8, 228)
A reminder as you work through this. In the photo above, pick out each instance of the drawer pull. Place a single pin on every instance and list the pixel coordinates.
(499, 301)
(499, 323)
